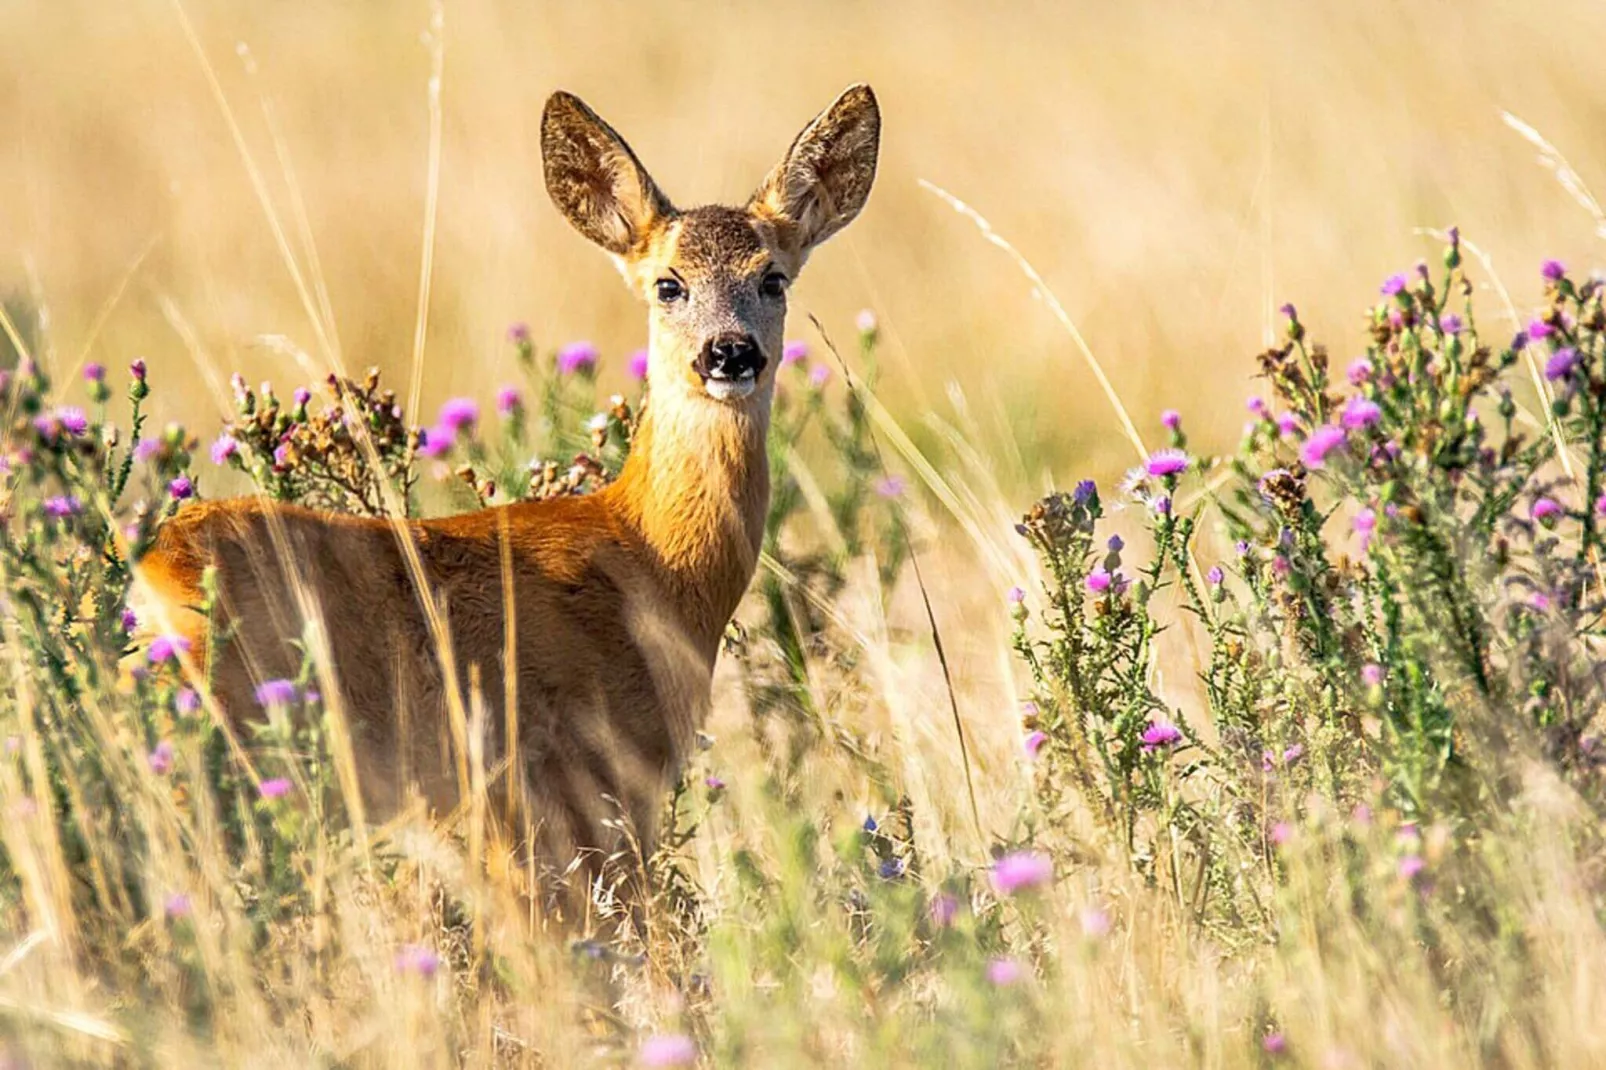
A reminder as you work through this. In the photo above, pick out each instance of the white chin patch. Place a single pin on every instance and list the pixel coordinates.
(730, 389)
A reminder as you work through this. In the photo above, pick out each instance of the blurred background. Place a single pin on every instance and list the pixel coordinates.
(1175, 172)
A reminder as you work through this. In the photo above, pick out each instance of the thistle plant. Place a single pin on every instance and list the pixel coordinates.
(1412, 568)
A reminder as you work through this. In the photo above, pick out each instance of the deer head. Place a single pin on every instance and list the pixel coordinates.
(714, 278)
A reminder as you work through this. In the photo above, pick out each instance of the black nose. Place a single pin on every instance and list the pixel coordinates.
(732, 356)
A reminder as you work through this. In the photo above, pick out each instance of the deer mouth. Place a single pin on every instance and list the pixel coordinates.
(731, 388)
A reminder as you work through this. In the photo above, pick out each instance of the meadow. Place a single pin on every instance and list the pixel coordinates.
(1242, 711)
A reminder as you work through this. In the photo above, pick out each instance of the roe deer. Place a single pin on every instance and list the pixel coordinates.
(618, 599)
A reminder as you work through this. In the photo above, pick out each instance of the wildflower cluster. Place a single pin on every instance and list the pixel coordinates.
(1407, 560)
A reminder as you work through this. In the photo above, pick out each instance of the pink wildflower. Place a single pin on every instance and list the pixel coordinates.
(1021, 871)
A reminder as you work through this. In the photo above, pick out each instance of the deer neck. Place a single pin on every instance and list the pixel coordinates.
(696, 491)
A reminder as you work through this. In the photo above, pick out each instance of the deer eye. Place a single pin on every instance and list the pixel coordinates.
(670, 290)
(773, 284)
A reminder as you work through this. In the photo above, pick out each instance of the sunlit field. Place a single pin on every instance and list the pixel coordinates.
(1176, 640)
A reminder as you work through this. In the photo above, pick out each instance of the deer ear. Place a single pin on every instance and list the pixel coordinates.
(825, 178)
(594, 178)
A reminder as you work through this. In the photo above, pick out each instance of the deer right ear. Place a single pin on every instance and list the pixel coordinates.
(594, 178)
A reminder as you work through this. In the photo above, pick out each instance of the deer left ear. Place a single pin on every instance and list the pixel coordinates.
(825, 178)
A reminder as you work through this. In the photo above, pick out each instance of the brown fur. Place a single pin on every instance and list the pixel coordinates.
(619, 599)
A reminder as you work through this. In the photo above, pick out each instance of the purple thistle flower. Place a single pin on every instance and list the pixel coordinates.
(1098, 581)
(274, 788)
(1242, 547)
(793, 352)
(866, 321)
(1546, 511)
(177, 905)
(1553, 270)
(1115, 544)
(1280, 833)
(94, 373)
(1022, 871)
(638, 364)
(1034, 743)
(1256, 406)
(1160, 734)
(1287, 424)
(1293, 753)
(1359, 371)
(1280, 566)
(1366, 522)
(508, 400)
(223, 448)
(161, 758)
(433, 442)
(1561, 363)
(942, 910)
(519, 334)
(1289, 311)
(891, 486)
(713, 783)
(1171, 419)
(1084, 492)
(1450, 323)
(137, 370)
(819, 375)
(181, 488)
(668, 1049)
(1003, 972)
(1215, 576)
(1274, 1043)
(301, 396)
(415, 958)
(577, 357)
(1015, 596)
(1322, 441)
(1371, 674)
(72, 420)
(186, 701)
(1539, 330)
(1392, 285)
(166, 648)
(62, 507)
(146, 448)
(1360, 412)
(459, 414)
(128, 619)
(48, 427)
(1600, 505)
(276, 693)
(1519, 341)
(1095, 922)
(1167, 462)
(1411, 866)
(1162, 506)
